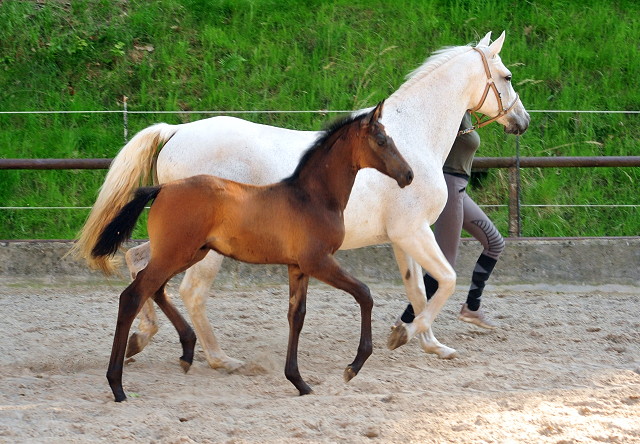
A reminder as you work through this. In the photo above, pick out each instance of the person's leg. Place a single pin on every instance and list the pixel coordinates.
(447, 230)
(477, 224)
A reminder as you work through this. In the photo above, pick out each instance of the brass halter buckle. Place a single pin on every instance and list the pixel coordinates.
(490, 85)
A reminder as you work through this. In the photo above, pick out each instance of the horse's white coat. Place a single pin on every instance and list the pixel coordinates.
(422, 117)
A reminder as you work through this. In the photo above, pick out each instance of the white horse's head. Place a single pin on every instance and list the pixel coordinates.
(499, 100)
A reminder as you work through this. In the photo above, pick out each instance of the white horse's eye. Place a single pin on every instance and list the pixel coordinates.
(508, 78)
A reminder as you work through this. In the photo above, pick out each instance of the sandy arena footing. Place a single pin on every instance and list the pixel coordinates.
(562, 368)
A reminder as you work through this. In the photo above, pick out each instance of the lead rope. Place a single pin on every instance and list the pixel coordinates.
(466, 131)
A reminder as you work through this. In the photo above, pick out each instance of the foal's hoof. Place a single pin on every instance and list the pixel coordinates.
(185, 365)
(133, 346)
(398, 337)
(349, 373)
(119, 395)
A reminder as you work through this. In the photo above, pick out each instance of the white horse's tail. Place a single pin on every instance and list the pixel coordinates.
(130, 168)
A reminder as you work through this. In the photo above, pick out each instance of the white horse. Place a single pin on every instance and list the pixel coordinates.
(422, 117)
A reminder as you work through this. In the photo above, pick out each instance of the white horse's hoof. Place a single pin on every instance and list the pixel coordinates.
(399, 336)
(135, 345)
(442, 351)
(228, 364)
(436, 348)
(232, 365)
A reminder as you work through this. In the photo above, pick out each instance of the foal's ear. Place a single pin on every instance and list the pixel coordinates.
(496, 46)
(374, 115)
(377, 113)
(485, 40)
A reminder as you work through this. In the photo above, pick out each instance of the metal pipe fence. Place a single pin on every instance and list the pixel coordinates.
(513, 164)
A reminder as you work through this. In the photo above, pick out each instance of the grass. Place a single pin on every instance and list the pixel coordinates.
(307, 55)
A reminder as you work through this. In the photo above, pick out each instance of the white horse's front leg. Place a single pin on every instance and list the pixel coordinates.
(137, 259)
(193, 290)
(414, 286)
(422, 247)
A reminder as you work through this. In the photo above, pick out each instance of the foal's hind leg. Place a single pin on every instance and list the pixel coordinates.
(131, 300)
(330, 272)
(193, 290)
(298, 283)
(187, 336)
(137, 259)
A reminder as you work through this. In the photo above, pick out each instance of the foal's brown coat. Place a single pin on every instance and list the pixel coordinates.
(298, 222)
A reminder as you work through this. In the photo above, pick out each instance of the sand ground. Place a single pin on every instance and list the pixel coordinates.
(563, 368)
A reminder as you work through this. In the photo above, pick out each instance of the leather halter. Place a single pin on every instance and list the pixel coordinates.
(490, 85)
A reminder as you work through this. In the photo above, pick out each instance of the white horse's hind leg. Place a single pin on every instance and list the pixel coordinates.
(424, 249)
(412, 276)
(193, 290)
(137, 259)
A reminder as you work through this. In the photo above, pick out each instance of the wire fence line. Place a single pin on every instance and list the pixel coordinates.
(514, 207)
(322, 111)
(263, 111)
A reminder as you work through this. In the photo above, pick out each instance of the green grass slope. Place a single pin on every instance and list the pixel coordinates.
(196, 55)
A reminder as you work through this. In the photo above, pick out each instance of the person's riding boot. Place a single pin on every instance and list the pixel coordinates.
(481, 272)
(471, 311)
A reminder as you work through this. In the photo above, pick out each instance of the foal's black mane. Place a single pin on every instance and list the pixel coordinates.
(321, 142)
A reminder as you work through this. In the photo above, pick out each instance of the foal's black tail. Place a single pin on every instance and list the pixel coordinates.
(121, 227)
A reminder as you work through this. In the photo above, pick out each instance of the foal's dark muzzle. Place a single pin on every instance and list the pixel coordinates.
(405, 179)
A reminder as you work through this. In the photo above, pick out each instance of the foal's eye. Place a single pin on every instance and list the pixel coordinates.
(380, 142)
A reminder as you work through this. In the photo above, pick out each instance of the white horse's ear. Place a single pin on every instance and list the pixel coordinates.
(496, 46)
(485, 40)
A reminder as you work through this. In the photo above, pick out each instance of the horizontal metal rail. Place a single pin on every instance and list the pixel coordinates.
(478, 163)
(54, 164)
(513, 164)
(557, 162)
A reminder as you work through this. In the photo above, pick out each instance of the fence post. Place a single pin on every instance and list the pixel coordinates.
(515, 224)
(126, 132)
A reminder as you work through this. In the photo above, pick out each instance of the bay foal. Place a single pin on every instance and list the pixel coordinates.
(298, 222)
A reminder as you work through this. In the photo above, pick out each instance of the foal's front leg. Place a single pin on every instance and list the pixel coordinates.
(330, 272)
(298, 284)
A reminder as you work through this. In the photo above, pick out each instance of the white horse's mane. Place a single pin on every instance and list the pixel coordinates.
(437, 59)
